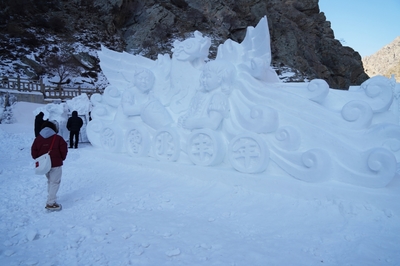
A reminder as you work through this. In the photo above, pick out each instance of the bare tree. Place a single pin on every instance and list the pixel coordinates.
(62, 65)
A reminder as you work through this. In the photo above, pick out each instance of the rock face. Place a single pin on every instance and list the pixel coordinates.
(301, 37)
(385, 62)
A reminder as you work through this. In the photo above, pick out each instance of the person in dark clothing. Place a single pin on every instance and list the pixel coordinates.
(74, 125)
(38, 123)
(40, 146)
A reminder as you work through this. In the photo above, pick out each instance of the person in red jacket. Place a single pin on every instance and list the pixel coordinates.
(58, 154)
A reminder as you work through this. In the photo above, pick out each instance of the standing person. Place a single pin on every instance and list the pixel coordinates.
(38, 123)
(74, 125)
(41, 145)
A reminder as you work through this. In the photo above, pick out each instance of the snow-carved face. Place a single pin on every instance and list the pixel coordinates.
(210, 80)
(144, 80)
(217, 74)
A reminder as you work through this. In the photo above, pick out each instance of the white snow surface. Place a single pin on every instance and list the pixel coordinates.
(120, 210)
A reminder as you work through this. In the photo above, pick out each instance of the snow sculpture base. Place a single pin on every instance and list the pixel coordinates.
(234, 110)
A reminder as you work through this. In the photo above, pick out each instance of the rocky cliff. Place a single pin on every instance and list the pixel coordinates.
(301, 36)
(385, 62)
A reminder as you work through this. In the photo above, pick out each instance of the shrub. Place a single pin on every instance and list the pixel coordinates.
(6, 108)
(40, 21)
(30, 39)
(19, 7)
(57, 24)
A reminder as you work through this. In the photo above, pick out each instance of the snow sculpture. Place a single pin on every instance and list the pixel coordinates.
(234, 110)
(60, 112)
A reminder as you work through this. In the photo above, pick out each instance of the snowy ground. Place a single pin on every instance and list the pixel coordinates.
(118, 210)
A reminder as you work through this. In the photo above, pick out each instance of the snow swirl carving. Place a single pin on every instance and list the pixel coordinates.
(377, 167)
(96, 98)
(383, 164)
(386, 136)
(311, 166)
(359, 113)
(112, 96)
(392, 144)
(288, 138)
(379, 92)
(318, 89)
(379, 159)
(260, 119)
(315, 161)
(101, 109)
(310, 158)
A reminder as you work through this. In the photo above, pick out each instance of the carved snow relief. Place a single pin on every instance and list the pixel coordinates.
(234, 111)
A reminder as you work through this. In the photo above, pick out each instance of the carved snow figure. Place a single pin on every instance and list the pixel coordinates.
(133, 107)
(207, 110)
(139, 100)
(234, 110)
(210, 104)
(188, 59)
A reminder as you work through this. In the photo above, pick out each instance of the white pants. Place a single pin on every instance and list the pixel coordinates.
(53, 184)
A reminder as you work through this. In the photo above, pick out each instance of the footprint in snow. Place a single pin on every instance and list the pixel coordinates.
(45, 233)
(31, 262)
(31, 235)
(138, 251)
(173, 252)
(145, 245)
(9, 253)
(126, 235)
(167, 235)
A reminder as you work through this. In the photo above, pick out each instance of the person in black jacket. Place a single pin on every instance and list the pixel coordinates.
(38, 123)
(74, 125)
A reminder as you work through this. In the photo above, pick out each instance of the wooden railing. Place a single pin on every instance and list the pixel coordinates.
(49, 92)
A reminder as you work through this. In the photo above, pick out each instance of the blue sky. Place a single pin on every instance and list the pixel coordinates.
(364, 25)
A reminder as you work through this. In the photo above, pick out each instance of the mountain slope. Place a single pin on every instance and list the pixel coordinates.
(385, 62)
